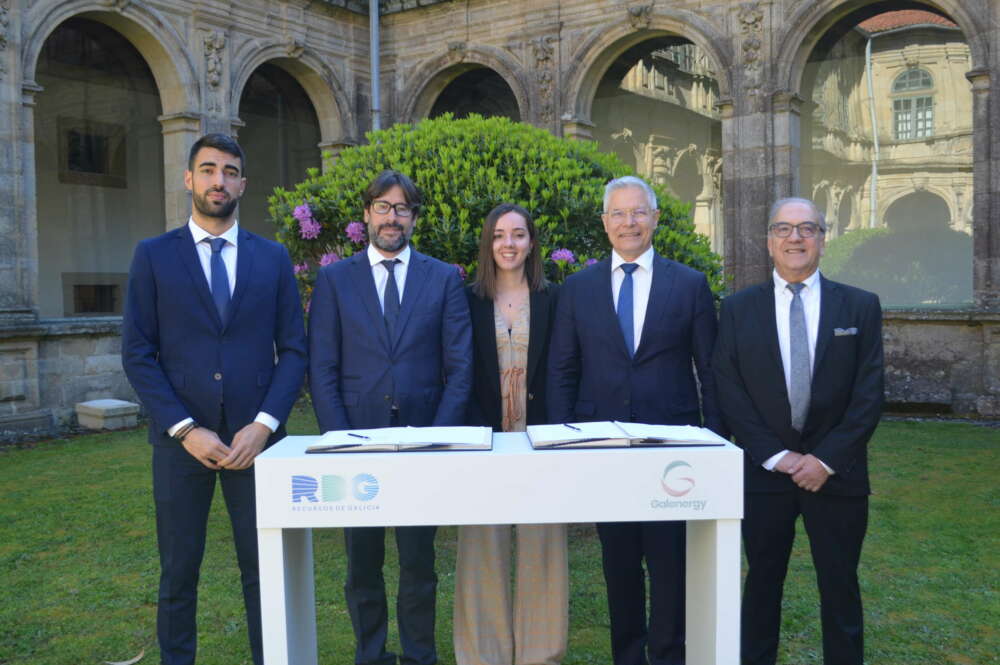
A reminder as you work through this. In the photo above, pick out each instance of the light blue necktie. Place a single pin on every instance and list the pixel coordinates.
(801, 367)
(625, 307)
(220, 278)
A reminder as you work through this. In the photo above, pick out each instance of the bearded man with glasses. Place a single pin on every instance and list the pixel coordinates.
(390, 344)
(798, 369)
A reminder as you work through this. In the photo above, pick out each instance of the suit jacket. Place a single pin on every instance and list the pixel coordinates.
(486, 407)
(356, 373)
(592, 377)
(184, 362)
(846, 392)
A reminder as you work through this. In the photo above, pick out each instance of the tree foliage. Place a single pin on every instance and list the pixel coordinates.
(464, 168)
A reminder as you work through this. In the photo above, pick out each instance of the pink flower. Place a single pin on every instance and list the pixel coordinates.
(563, 255)
(356, 232)
(461, 271)
(328, 258)
(302, 213)
(300, 268)
(309, 228)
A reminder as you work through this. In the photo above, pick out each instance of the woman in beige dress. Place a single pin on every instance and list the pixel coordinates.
(512, 307)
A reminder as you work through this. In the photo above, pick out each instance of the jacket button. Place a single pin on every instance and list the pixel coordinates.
(627, 402)
(531, 396)
(387, 398)
(217, 376)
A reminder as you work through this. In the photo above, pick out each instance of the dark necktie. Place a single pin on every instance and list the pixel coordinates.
(220, 278)
(625, 308)
(390, 307)
(798, 347)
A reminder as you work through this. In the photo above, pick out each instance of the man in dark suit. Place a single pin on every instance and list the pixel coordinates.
(390, 344)
(214, 345)
(798, 368)
(627, 330)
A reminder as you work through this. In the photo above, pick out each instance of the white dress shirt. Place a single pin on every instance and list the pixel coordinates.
(229, 259)
(642, 281)
(381, 275)
(810, 296)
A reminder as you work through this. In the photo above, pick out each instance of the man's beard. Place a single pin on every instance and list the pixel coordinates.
(205, 207)
(385, 244)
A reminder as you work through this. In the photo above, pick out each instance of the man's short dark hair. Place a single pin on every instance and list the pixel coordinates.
(388, 179)
(221, 142)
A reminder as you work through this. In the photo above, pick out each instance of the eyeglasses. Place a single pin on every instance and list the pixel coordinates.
(638, 214)
(402, 209)
(805, 229)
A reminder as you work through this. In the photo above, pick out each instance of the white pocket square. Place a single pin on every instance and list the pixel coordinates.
(840, 332)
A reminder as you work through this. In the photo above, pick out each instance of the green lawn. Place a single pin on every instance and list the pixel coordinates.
(78, 566)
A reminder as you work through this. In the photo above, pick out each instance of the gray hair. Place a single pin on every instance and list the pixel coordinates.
(629, 181)
(820, 217)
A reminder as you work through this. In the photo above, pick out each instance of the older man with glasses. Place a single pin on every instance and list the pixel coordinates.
(798, 369)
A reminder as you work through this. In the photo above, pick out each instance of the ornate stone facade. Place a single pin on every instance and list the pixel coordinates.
(553, 56)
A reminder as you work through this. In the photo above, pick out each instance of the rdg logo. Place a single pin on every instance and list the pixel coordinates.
(364, 487)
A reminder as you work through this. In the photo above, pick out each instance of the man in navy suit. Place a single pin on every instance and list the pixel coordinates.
(798, 367)
(629, 331)
(390, 344)
(214, 345)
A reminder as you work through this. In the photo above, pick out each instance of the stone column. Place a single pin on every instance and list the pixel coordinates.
(985, 192)
(574, 127)
(180, 131)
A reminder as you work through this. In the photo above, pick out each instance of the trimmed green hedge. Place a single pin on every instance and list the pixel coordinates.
(464, 168)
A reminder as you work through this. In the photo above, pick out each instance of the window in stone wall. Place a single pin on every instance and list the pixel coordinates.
(99, 167)
(886, 150)
(913, 117)
(655, 108)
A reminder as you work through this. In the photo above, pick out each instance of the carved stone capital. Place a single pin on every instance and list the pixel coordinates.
(750, 17)
(640, 16)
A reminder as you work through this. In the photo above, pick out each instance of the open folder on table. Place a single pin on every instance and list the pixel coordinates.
(614, 434)
(388, 439)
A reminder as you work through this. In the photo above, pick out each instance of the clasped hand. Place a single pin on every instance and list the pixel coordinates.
(205, 446)
(806, 470)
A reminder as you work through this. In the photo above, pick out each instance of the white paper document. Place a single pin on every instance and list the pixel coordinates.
(613, 434)
(385, 439)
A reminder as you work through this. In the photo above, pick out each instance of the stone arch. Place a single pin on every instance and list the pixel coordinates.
(433, 76)
(812, 20)
(595, 54)
(927, 198)
(325, 91)
(160, 45)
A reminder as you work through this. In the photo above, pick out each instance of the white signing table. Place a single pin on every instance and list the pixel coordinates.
(512, 484)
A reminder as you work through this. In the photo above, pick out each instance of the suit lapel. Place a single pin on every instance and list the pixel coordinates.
(768, 327)
(416, 280)
(659, 299)
(364, 286)
(538, 329)
(830, 302)
(485, 329)
(244, 268)
(188, 255)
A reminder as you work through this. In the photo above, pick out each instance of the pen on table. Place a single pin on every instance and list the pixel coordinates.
(572, 427)
(357, 436)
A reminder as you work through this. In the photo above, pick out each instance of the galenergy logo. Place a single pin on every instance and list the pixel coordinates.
(329, 489)
(675, 484)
